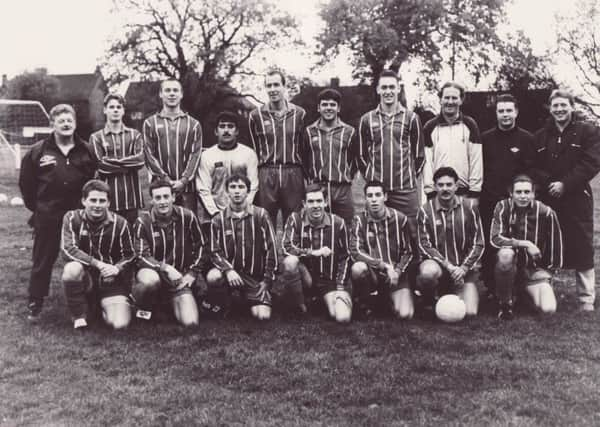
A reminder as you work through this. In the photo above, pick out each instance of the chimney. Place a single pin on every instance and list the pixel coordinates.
(335, 82)
(4, 81)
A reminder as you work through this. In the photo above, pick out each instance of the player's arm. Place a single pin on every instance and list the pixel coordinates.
(28, 182)
(70, 241)
(291, 237)
(499, 231)
(217, 242)
(404, 255)
(199, 248)
(204, 185)
(416, 143)
(428, 163)
(553, 256)
(364, 143)
(142, 240)
(341, 256)
(194, 160)
(271, 263)
(150, 139)
(135, 160)
(252, 172)
(424, 230)
(476, 238)
(126, 247)
(105, 167)
(588, 164)
(475, 160)
(358, 245)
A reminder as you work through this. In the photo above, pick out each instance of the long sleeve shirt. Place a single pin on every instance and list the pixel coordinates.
(277, 138)
(120, 155)
(536, 223)
(245, 244)
(216, 165)
(331, 155)
(108, 241)
(458, 145)
(178, 242)
(391, 148)
(378, 242)
(172, 147)
(453, 235)
(300, 238)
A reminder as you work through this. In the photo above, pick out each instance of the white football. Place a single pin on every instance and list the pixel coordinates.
(16, 201)
(3, 198)
(450, 308)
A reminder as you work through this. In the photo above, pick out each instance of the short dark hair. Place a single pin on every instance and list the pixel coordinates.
(562, 93)
(273, 72)
(522, 178)
(94, 185)
(506, 97)
(159, 183)
(227, 117)
(237, 177)
(330, 94)
(374, 183)
(115, 97)
(445, 171)
(455, 85)
(313, 188)
(170, 79)
(388, 73)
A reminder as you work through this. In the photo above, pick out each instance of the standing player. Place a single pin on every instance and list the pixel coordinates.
(507, 151)
(219, 162)
(391, 147)
(452, 139)
(52, 175)
(172, 145)
(243, 250)
(276, 131)
(567, 158)
(529, 242)
(170, 249)
(315, 245)
(380, 248)
(99, 252)
(451, 240)
(332, 154)
(120, 154)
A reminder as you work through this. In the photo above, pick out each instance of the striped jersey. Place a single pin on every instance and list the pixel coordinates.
(120, 155)
(377, 242)
(172, 147)
(537, 223)
(244, 243)
(277, 137)
(108, 241)
(300, 237)
(453, 235)
(391, 148)
(458, 145)
(178, 242)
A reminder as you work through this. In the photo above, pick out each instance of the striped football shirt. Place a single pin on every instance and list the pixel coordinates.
(536, 223)
(245, 244)
(300, 237)
(178, 242)
(120, 155)
(277, 137)
(85, 241)
(172, 146)
(331, 155)
(391, 148)
(452, 235)
(381, 241)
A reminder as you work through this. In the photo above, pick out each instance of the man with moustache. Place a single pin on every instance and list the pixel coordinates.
(173, 143)
(452, 139)
(316, 263)
(52, 174)
(228, 157)
(507, 151)
(276, 131)
(567, 158)
(120, 153)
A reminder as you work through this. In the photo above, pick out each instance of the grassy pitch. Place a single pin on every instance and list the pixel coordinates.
(531, 371)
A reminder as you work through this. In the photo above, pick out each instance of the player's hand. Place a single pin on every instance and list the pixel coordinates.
(533, 251)
(186, 281)
(392, 274)
(556, 189)
(177, 186)
(262, 290)
(458, 274)
(324, 251)
(173, 275)
(234, 279)
(107, 270)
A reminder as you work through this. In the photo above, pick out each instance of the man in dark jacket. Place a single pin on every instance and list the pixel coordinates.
(567, 158)
(52, 175)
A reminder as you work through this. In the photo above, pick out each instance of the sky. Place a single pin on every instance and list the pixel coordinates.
(68, 36)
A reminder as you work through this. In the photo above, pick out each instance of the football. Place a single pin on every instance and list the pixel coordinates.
(450, 309)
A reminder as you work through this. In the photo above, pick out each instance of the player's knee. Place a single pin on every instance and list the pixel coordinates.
(359, 270)
(342, 307)
(119, 320)
(547, 300)
(72, 272)
(189, 318)
(470, 296)
(261, 312)
(429, 270)
(403, 306)
(290, 264)
(214, 277)
(505, 259)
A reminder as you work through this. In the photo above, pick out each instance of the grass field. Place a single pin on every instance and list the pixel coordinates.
(290, 371)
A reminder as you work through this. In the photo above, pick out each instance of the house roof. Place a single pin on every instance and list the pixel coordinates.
(75, 87)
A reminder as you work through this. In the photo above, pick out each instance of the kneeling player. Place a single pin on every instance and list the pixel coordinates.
(528, 236)
(451, 239)
(316, 247)
(169, 245)
(242, 244)
(380, 249)
(99, 250)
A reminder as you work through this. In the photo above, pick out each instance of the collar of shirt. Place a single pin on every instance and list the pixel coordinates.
(513, 206)
(399, 110)
(51, 142)
(338, 124)
(230, 214)
(438, 206)
(325, 223)
(162, 113)
(289, 107)
(158, 221)
(441, 120)
(370, 218)
(110, 218)
(108, 131)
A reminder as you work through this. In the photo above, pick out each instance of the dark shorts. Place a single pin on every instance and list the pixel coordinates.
(528, 276)
(379, 281)
(446, 285)
(341, 202)
(280, 187)
(94, 284)
(170, 291)
(250, 291)
(319, 286)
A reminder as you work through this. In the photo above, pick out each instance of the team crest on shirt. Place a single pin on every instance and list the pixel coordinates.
(229, 232)
(438, 222)
(84, 232)
(515, 149)
(370, 234)
(315, 139)
(47, 159)
(156, 234)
